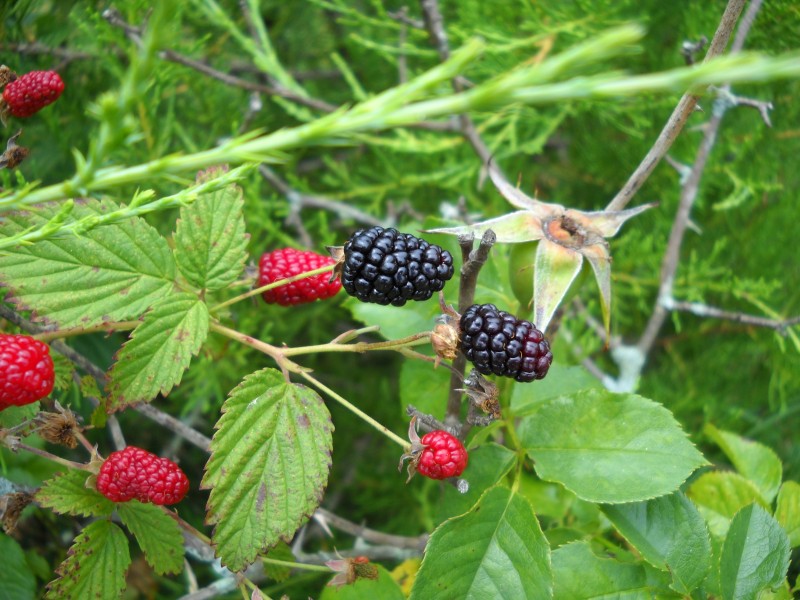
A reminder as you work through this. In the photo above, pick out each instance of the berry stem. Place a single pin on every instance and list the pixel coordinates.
(16, 445)
(411, 340)
(57, 334)
(273, 285)
(296, 565)
(355, 410)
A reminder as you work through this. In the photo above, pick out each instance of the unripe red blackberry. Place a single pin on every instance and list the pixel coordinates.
(286, 262)
(135, 473)
(26, 370)
(501, 344)
(31, 92)
(385, 266)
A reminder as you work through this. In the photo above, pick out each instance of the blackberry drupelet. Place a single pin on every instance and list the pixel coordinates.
(385, 266)
(497, 342)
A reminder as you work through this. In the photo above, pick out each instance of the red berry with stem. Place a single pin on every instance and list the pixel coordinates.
(26, 370)
(286, 262)
(136, 473)
(442, 456)
(33, 91)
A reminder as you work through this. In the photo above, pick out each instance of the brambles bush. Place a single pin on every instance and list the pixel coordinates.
(193, 138)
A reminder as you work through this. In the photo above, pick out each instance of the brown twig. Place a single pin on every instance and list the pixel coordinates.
(679, 116)
(372, 536)
(298, 200)
(689, 191)
(704, 310)
(472, 262)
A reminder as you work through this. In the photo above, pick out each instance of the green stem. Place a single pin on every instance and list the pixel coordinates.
(277, 354)
(49, 336)
(45, 454)
(356, 411)
(295, 565)
(273, 285)
(416, 339)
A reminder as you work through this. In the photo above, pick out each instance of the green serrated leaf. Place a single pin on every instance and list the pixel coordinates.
(157, 534)
(787, 511)
(561, 380)
(111, 273)
(580, 575)
(497, 550)
(609, 448)
(382, 588)
(670, 534)
(17, 582)
(754, 461)
(210, 239)
(67, 494)
(95, 565)
(63, 371)
(755, 555)
(721, 494)
(269, 465)
(423, 386)
(159, 350)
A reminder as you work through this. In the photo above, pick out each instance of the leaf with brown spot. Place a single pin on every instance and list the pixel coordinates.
(95, 565)
(154, 359)
(269, 465)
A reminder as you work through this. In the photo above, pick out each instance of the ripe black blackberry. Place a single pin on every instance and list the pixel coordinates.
(385, 266)
(497, 342)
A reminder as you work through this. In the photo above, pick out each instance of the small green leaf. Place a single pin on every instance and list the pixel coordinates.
(787, 510)
(755, 555)
(580, 575)
(670, 534)
(754, 461)
(67, 494)
(111, 273)
(158, 535)
(210, 240)
(497, 550)
(382, 588)
(609, 448)
(269, 465)
(721, 494)
(555, 269)
(17, 582)
(153, 360)
(95, 565)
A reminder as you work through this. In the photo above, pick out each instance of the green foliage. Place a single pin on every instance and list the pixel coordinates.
(159, 350)
(158, 535)
(269, 465)
(495, 550)
(210, 240)
(575, 492)
(68, 494)
(109, 273)
(95, 566)
(609, 448)
(17, 581)
(755, 555)
(670, 534)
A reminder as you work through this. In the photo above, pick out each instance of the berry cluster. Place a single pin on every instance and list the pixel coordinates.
(286, 262)
(500, 343)
(26, 370)
(30, 93)
(135, 473)
(385, 266)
